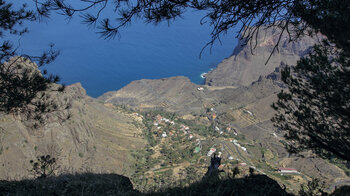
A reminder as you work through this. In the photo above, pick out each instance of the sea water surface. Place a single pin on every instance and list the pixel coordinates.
(143, 51)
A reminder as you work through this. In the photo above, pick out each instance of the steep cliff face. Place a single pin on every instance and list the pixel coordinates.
(95, 138)
(246, 65)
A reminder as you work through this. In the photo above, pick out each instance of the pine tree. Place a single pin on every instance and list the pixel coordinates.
(22, 86)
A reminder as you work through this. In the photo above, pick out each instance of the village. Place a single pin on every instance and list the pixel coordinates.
(177, 144)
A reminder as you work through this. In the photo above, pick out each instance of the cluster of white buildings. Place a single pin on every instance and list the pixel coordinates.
(162, 119)
(237, 144)
(185, 129)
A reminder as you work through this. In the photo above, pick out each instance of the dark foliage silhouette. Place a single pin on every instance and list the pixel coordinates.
(44, 166)
(22, 86)
(250, 16)
(314, 111)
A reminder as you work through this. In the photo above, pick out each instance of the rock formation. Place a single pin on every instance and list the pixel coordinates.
(97, 137)
(247, 63)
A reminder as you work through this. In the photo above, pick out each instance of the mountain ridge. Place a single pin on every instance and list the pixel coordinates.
(249, 62)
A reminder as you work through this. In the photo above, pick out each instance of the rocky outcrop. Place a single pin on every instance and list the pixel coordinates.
(96, 137)
(247, 63)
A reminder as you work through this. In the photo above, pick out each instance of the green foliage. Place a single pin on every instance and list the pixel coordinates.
(312, 188)
(44, 166)
(314, 112)
(327, 17)
(204, 130)
(342, 164)
(22, 89)
(142, 163)
(21, 86)
(281, 176)
(149, 136)
(241, 137)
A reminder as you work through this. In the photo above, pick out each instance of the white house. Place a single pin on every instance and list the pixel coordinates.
(249, 112)
(164, 134)
(237, 144)
(211, 151)
(288, 170)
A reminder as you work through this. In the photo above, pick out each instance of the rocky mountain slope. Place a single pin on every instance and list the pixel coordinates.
(247, 63)
(97, 137)
(179, 94)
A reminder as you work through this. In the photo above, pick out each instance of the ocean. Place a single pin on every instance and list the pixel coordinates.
(143, 51)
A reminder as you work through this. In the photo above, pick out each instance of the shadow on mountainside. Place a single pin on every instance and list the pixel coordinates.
(249, 185)
(113, 184)
(68, 184)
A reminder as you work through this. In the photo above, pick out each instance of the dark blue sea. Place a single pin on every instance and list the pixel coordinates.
(143, 51)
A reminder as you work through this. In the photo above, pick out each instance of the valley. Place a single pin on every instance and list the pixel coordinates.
(162, 133)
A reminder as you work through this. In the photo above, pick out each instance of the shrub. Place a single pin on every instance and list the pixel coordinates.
(44, 166)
